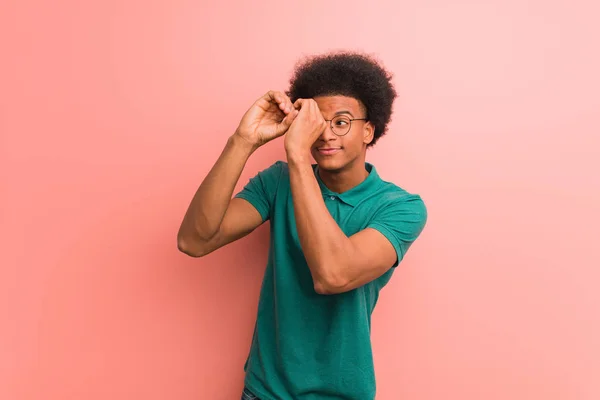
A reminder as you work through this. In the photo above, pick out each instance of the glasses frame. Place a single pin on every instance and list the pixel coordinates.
(349, 125)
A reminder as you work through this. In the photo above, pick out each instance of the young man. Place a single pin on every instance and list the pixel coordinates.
(337, 229)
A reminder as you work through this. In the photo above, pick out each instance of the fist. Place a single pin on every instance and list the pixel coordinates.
(306, 128)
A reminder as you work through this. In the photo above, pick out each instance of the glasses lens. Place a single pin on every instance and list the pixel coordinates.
(340, 125)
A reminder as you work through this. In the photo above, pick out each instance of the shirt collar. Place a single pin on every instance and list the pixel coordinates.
(358, 192)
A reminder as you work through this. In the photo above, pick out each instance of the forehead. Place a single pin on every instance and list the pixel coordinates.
(329, 105)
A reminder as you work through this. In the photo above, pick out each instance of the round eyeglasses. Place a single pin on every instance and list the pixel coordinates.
(341, 124)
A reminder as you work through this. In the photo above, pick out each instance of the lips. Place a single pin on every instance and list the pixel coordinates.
(328, 150)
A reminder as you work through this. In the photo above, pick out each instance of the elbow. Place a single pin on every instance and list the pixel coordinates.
(329, 277)
(190, 247)
(331, 285)
(193, 243)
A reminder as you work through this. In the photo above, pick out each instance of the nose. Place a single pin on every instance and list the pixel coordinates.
(327, 134)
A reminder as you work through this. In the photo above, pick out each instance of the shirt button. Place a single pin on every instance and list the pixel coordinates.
(332, 197)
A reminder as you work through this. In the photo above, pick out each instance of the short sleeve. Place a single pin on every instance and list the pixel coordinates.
(401, 222)
(261, 189)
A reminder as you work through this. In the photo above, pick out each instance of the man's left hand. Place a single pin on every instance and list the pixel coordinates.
(306, 128)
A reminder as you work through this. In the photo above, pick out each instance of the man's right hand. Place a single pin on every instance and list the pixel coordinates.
(269, 117)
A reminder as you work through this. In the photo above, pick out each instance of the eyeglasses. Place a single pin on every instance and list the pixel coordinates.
(341, 124)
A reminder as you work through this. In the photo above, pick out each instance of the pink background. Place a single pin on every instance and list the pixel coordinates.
(112, 112)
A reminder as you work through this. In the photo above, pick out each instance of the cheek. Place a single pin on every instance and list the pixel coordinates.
(353, 144)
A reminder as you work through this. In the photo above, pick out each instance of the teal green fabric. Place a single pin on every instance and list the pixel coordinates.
(308, 346)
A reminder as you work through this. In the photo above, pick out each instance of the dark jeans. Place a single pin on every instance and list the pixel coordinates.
(248, 395)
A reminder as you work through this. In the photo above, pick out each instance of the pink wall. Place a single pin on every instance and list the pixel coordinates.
(111, 112)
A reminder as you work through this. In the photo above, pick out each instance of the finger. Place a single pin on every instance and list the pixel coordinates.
(278, 98)
(285, 104)
(314, 104)
(319, 116)
(286, 122)
(314, 109)
(311, 104)
(289, 107)
(298, 103)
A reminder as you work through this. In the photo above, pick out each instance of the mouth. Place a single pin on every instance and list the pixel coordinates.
(327, 151)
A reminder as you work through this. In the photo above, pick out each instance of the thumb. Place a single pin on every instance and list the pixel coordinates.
(287, 122)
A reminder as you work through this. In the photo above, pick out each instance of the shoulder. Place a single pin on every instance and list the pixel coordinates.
(275, 169)
(396, 204)
(266, 180)
(393, 195)
(271, 175)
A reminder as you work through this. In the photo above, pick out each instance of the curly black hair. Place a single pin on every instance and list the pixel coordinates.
(351, 74)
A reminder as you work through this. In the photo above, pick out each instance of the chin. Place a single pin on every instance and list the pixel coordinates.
(330, 163)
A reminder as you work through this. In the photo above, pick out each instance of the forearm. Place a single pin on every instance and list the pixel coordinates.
(209, 204)
(324, 244)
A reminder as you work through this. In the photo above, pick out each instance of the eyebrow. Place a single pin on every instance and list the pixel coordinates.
(343, 112)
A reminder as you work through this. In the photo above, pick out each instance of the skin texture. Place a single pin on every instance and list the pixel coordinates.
(337, 263)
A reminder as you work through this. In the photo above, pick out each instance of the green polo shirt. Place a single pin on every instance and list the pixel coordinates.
(308, 346)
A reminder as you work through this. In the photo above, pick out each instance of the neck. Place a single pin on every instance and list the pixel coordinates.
(345, 179)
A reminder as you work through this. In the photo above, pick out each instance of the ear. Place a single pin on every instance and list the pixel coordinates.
(368, 132)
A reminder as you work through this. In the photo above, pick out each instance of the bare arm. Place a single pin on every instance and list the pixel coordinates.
(337, 263)
(213, 218)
